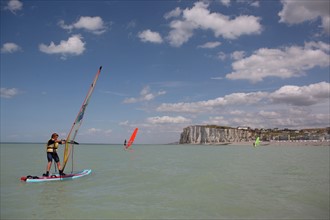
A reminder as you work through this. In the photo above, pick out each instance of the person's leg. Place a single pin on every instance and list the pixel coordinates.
(57, 160)
(49, 164)
(59, 166)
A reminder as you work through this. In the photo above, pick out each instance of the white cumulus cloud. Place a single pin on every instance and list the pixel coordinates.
(174, 13)
(150, 36)
(283, 63)
(225, 2)
(208, 105)
(145, 95)
(295, 12)
(73, 46)
(302, 96)
(10, 48)
(237, 55)
(217, 120)
(94, 25)
(168, 119)
(210, 45)
(199, 17)
(318, 93)
(8, 93)
(14, 5)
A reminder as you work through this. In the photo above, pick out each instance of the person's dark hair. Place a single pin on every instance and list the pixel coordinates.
(54, 134)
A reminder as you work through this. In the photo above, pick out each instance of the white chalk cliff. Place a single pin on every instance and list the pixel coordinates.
(211, 134)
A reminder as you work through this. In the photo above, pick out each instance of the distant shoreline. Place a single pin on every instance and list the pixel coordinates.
(242, 143)
(272, 143)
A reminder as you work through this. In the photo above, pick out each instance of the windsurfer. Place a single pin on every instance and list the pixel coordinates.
(125, 142)
(52, 146)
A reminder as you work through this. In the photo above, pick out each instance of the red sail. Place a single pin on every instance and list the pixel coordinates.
(131, 140)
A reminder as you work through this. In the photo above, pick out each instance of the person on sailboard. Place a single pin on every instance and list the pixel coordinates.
(52, 146)
(125, 142)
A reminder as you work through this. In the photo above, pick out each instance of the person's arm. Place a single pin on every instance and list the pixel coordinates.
(60, 141)
(71, 142)
(50, 142)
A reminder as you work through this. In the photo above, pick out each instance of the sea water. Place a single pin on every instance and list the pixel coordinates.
(170, 182)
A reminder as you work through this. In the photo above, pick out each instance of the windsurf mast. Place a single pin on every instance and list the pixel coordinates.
(78, 121)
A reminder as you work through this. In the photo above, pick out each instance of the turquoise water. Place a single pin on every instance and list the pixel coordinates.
(170, 182)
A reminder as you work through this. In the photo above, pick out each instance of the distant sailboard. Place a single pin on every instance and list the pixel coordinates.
(257, 142)
(131, 140)
(69, 143)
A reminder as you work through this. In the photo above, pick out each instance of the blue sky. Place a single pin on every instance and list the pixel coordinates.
(166, 65)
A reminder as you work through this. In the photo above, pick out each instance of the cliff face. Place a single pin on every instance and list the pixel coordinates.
(200, 134)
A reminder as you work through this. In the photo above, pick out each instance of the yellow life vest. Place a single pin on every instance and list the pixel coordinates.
(52, 147)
